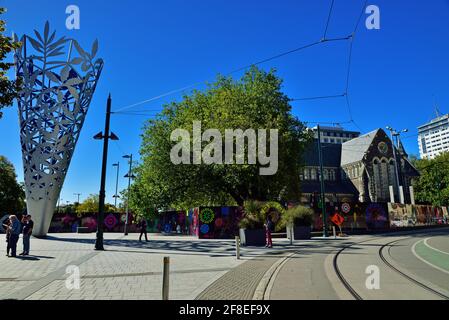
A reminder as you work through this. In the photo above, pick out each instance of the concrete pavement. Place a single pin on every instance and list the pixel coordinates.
(208, 269)
(310, 273)
(127, 270)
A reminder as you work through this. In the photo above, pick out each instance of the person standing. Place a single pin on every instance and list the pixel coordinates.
(269, 228)
(6, 225)
(27, 231)
(15, 229)
(143, 229)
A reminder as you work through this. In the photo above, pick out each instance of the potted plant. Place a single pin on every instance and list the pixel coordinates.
(298, 221)
(252, 230)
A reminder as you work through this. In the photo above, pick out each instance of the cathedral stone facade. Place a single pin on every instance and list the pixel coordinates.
(361, 169)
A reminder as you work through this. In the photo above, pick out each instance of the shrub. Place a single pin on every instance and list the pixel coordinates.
(297, 216)
(253, 218)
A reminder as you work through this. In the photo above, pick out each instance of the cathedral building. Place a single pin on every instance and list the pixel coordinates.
(361, 169)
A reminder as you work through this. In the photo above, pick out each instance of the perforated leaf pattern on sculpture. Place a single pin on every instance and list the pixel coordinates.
(59, 82)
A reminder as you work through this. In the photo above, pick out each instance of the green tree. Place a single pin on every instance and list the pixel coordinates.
(8, 89)
(432, 187)
(12, 193)
(90, 205)
(253, 102)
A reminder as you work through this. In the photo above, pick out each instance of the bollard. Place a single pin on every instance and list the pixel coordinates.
(166, 278)
(291, 235)
(333, 230)
(237, 247)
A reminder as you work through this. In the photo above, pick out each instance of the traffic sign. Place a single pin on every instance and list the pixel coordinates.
(337, 219)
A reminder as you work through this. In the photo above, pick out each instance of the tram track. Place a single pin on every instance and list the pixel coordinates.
(353, 292)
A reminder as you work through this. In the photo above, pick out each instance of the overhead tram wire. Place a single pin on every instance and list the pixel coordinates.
(329, 18)
(235, 71)
(348, 72)
(319, 97)
(323, 40)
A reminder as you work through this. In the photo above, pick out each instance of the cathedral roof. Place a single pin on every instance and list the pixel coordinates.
(354, 150)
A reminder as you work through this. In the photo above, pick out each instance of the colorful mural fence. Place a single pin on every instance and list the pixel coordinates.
(381, 216)
(407, 215)
(215, 222)
(113, 222)
(165, 222)
(169, 222)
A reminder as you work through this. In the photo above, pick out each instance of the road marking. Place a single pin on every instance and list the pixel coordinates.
(428, 245)
(425, 261)
(263, 291)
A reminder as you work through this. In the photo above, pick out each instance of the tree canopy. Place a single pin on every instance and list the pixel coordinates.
(90, 205)
(12, 193)
(432, 187)
(253, 102)
(8, 88)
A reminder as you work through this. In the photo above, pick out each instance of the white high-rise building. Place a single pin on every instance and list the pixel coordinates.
(433, 137)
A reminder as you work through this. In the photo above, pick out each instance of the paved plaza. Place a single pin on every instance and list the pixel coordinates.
(412, 265)
(128, 269)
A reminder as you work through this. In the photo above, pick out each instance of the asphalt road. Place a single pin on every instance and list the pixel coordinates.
(412, 266)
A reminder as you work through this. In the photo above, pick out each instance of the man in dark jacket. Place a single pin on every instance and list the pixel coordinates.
(143, 229)
(28, 225)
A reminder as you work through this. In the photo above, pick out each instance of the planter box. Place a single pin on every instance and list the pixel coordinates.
(82, 230)
(252, 237)
(300, 233)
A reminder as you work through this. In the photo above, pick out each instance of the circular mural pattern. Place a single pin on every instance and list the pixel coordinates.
(207, 215)
(123, 217)
(110, 221)
(204, 228)
(219, 223)
(345, 207)
(268, 208)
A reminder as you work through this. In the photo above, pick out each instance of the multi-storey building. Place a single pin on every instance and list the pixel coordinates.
(335, 134)
(433, 137)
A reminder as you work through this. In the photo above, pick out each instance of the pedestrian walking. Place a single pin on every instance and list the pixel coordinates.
(143, 229)
(28, 225)
(6, 225)
(15, 229)
(269, 228)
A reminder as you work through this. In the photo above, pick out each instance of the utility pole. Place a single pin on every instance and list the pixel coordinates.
(116, 184)
(105, 137)
(130, 176)
(323, 193)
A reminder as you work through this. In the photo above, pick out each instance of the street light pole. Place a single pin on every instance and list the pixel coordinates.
(323, 192)
(129, 176)
(78, 195)
(105, 137)
(116, 184)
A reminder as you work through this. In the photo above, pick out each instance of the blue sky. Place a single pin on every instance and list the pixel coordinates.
(153, 47)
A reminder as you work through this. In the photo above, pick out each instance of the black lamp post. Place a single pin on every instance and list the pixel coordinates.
(105, 137)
